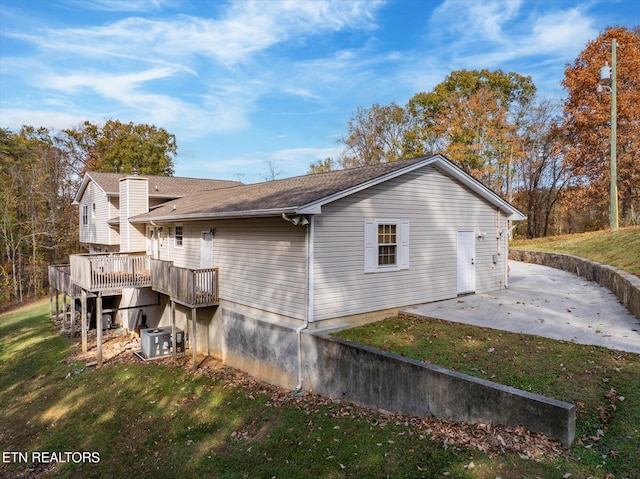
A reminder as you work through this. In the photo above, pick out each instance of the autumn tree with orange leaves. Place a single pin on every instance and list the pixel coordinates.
(587, 128)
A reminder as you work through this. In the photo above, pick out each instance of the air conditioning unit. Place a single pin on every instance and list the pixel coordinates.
(156, 342)
(107, 321)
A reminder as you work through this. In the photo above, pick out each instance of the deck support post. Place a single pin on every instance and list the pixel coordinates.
(174, 342)
(50, 302)
(64, 309)
(83, 321)
(57, 305)
(194, 341)
(99, 327)
(72, 318)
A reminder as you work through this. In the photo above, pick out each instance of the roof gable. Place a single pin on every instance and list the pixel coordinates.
(307, 194)
(159, 186)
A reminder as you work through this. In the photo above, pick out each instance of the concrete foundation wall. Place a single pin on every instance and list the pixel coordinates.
(266, 350)
(134, 299)
(340, 369)
(624, 285)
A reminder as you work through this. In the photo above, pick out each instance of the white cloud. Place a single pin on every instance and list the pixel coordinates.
(568, 30)
(15, 118)
(244, 28)
(305, 155)
(214, 60)
(122, 5)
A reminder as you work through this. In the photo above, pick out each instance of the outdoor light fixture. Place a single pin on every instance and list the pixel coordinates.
(608, 74)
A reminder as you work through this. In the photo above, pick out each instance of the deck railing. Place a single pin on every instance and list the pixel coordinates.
(196, 288)
(114, 271)
(160, 272)
(60, 280)
(110, 271)
(191, 287)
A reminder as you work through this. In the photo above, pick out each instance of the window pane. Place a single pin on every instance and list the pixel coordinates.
(386, 255)
(386, 234)
(178, 235)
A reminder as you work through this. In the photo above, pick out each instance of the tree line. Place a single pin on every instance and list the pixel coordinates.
(550, 160)
(40, 172)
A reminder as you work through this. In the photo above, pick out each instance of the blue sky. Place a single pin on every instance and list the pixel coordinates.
(248, 84)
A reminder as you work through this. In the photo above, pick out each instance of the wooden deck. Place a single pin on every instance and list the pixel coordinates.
(107, 272)
(110, 271)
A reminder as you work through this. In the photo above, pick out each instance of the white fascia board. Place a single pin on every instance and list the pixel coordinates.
(216, 216)
(83, 187)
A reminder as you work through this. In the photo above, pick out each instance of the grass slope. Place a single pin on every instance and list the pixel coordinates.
(620, 249)
(163, 420)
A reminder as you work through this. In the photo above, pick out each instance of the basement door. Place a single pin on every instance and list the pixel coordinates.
(466, 262)
(206, 250)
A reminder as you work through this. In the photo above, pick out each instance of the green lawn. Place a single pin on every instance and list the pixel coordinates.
(620, 249)
(164, 420)
(604, 384)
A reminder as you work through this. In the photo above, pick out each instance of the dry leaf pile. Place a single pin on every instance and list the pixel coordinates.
(487, 438)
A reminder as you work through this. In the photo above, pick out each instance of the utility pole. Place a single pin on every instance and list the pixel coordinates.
(609, 74)
(613, 211)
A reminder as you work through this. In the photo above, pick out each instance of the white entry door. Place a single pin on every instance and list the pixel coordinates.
(466, 262)
(152, 242)
(206, 250)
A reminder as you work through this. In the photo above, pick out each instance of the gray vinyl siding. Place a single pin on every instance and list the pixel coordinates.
(97, 231)
(261, 261)
(134, 200)
(436, 207)
(113, 212)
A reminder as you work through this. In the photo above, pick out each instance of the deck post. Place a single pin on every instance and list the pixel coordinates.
(57, 304)
(194, 341)
(174, 342)
(50, 302)
(72, 318)
(99, 327)
(83, 320)
(64, 308)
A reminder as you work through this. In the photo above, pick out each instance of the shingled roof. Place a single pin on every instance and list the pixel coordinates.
(159, 186)
(303, 194)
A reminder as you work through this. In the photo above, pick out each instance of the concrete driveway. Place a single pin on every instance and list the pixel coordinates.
(546, 302)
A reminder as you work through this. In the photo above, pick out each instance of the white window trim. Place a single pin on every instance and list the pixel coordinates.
(84, 219)
(175, 236)
(371, 246)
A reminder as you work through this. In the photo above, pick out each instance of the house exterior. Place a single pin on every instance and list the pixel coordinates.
(293, 255)
(99, 204)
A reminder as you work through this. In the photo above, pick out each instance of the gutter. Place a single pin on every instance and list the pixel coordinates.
(213, 216)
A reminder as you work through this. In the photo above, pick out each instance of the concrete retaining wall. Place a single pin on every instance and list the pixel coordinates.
(268, 350)
(624, 285)
(340, 369)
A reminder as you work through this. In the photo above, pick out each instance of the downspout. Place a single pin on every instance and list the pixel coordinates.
(308, 297)
(507, 236)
